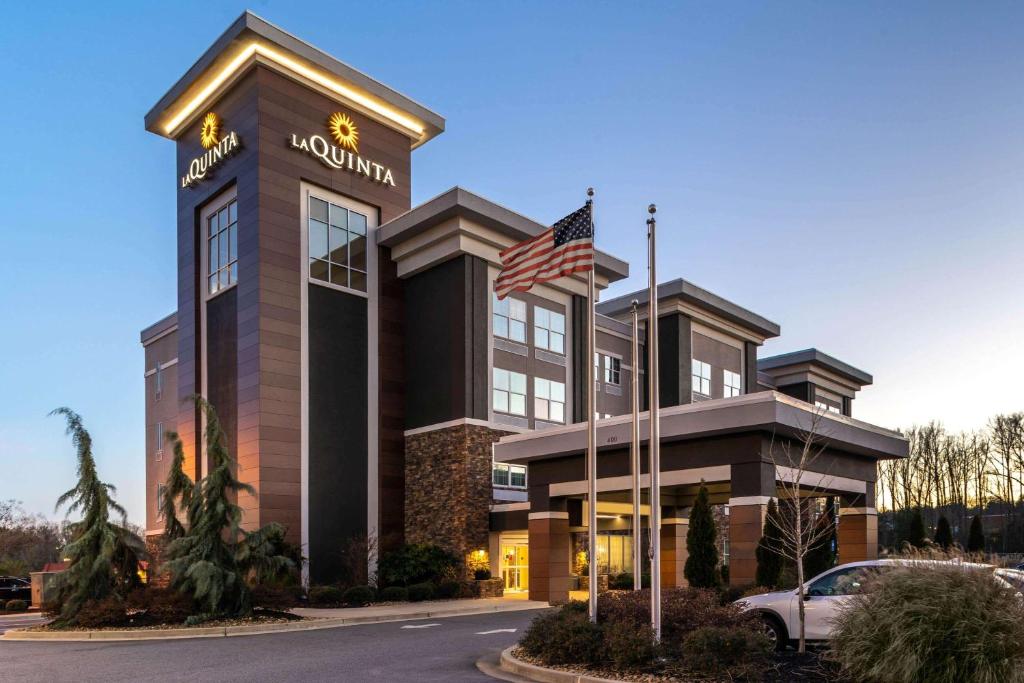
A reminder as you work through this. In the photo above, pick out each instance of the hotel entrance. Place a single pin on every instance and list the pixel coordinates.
(515, 563)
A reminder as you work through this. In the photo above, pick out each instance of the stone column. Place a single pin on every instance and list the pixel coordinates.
(752, 486)
(858, 527)
(550, 551)
(674, 525)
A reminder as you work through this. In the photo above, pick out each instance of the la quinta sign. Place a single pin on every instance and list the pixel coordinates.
(343, 152)
(218, 146)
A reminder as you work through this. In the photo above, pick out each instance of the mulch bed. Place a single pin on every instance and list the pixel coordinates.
(786, 667)
(140, 623)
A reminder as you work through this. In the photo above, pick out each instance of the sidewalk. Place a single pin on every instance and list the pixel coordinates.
(314, 619)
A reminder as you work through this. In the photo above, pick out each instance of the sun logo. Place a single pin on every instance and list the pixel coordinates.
(343, 130)
(209, 134)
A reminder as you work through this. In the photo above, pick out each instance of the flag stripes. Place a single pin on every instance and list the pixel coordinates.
(563, 249)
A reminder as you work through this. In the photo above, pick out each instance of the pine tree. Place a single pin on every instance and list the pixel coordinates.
(103, 556)
(769, 561)
(976, 537)
(177, 494)
(215, 558)
(701, 568)
(943, 534)
(916, 537)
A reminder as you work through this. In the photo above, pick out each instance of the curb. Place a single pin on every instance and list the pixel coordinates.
(543, 675)
(308, 624)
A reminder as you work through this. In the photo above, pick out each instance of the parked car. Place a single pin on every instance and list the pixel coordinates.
(13, 588)
(780, 611)
(1020, 567)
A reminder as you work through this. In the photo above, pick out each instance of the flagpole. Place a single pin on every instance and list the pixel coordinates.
(634, 452)
(591, 431)
(654, 441)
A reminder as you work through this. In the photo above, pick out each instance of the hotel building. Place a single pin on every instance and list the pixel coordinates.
(370, 384)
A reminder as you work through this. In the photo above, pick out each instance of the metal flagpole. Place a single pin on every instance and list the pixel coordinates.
(591, 430)
(634, 452)
(654, 442)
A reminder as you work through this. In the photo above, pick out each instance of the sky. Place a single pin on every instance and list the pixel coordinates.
(850, 171)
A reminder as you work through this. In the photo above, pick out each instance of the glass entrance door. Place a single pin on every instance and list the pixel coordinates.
(515, 566)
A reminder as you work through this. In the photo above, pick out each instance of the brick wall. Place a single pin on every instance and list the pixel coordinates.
(448, 487)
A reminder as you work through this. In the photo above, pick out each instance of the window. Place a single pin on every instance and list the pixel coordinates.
(222, 247)
(612, 370)
(732, 383)
(825, 407)
(158, 381)
(337, 245)
(848, 581)
(159, 501)
(548, 400)
(509, 392)
(548, 330)
(159, 436)
(509, 475)
(510, 319)
(701, 378)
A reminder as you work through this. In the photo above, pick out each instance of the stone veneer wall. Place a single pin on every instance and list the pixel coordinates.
(448, 487)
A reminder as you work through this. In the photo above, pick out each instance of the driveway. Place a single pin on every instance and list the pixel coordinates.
(443, 649)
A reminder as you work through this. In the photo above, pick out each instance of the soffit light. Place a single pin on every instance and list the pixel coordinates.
(408, 124)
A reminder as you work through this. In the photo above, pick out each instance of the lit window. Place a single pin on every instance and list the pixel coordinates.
(548, 400)
(821, 405)
(222, 247)
(612, 370)
(510, 319)
(337, 245)
(732, 383)
(509, 475)
(701, 378)
(509, 392)
(548, 330)
(158, 381)
(159, 439)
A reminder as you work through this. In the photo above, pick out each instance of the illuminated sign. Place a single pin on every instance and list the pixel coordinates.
(345, 154)
(218, 149)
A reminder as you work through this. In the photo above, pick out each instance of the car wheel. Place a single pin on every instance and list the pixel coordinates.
(775, 632)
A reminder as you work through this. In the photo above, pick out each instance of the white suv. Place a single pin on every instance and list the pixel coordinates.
(823, 594)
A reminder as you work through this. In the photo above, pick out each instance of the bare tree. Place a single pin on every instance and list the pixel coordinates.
(801, 530)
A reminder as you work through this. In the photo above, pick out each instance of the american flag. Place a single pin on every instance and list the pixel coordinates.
(564, 248)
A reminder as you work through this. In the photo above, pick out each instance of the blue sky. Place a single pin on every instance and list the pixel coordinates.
(852, 172)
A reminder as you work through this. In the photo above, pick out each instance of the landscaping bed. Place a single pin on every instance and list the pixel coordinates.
(143, 623)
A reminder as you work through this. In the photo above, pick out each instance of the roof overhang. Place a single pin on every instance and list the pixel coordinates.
(252, 40)
(810, 363)
(765, 411)
(459, 217)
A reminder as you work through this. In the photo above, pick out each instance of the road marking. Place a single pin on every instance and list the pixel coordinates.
(420, 625)
(497, 630)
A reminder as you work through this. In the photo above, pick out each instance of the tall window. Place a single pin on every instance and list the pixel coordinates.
(510, 319)
(612, 370)
(337, 245)
(732, 383)
(701, 378)
(158, 381)
(158, 445)
(509, 475)
(548, 400)
(160, 488)
(222, 247)
(548, 330)
(509, 392)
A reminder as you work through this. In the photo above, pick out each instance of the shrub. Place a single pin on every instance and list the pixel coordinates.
(976, 537)
(416, 563)
(418, 592)
(940, 623)
(629, 646)
(276, 597)
(733, 650)
(448, 589)
(481, 574)
(16, 606)
(393, 594)
(701, 567)
(565, 636)
(621, 582)
(357, 596)
(109, 611)
(325, 595)
(161, 605)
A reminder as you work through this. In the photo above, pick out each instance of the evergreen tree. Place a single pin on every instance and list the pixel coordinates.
(943, 534)
(701, 568)
(916, 537)
(215, 559)
(821, 556)
(103, 556)
(177, 494)
(976, 537)
(769, 561)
